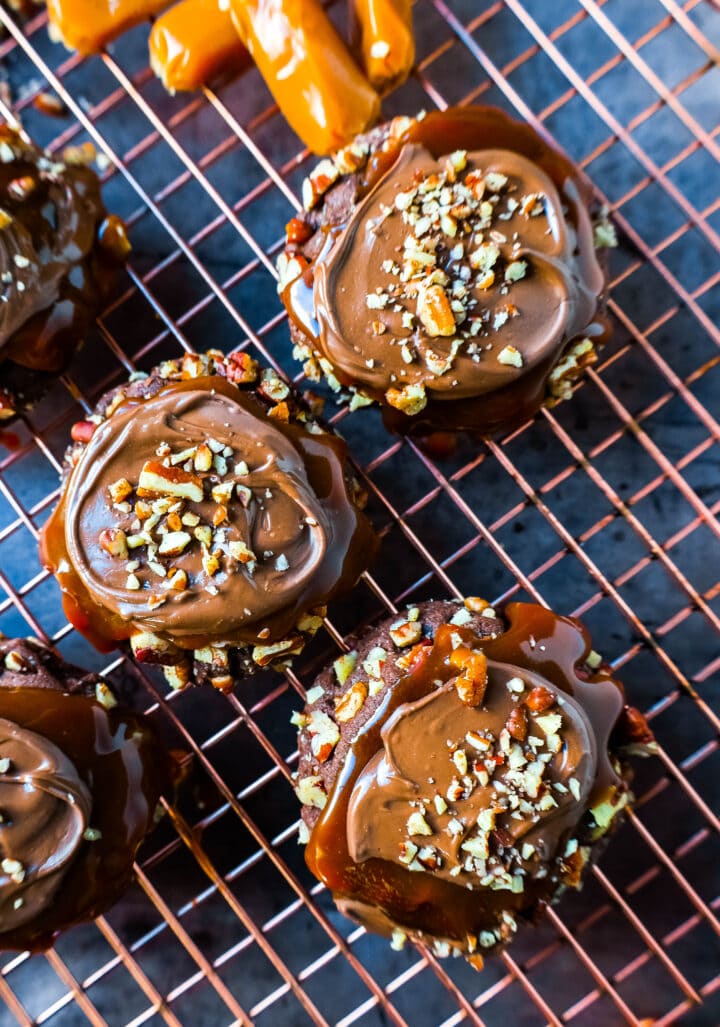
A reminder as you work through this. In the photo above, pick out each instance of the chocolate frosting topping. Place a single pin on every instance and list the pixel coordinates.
(53, 276)
(419, 763)
(521, 229)
(554, 300)
(227, 525)
(44, 811)
(448, 257)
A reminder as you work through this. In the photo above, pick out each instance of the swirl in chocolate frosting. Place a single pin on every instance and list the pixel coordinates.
(452, 258)
(476, 785)
(420, 768)
(517, 228)
(44, 811)
(197, 517)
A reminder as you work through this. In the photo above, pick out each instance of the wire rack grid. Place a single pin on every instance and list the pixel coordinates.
(605, 507)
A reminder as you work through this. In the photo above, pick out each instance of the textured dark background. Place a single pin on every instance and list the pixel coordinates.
(600, 508)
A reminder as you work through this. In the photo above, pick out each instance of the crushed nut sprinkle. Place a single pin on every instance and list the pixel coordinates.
(164, 516)
(324, 735)
(349, 705)
(14, 869)
(453, 251)
(15, 662)
(514, 769)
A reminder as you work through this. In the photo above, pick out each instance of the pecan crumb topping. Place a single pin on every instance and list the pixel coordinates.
(452, 250)
(181, 503)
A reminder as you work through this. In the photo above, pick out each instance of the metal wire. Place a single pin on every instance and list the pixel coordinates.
(606, 507)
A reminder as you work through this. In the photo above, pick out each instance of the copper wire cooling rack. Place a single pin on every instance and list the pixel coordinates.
(605, 507)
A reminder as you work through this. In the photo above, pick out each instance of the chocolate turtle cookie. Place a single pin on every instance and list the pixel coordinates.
(459, 770)
(445, 267)
(59, 254)
(206, 519)
(80, 779)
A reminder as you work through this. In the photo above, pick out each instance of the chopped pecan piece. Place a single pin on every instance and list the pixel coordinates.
(174, 543)
(324, 735)
(411, 399)
(203, 458)
(406, 633)
(114, 542)
(14, 662)
(241, 368)
(150, 648)
(517, 724)
(311, 791)
(539, 699)
(157, 479)
(434, 310)
(120, 490)
(265, 654)
(349, 705)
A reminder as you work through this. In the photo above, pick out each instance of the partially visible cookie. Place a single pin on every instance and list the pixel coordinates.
(80, 780)
(206, 519)
(459, 770)
(59, 254)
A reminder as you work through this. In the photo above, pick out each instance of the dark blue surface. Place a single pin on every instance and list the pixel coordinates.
(168, 301)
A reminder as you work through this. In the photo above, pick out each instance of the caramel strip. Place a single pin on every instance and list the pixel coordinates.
(308, 69)
(383, 36)
(193, 43)
(87, 26)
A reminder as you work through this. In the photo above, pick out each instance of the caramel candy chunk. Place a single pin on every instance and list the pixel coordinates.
(88, 25)
(383, 34)
(308, 69)
(194, 42)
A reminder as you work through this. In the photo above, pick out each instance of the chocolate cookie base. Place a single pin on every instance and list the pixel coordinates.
(26, 662)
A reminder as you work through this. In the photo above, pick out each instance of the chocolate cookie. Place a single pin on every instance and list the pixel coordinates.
(206, 519)
(445, 267)
(80, 779)
(458, 771)
(59, 253)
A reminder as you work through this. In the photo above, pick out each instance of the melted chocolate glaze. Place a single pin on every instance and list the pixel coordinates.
(357, 232)
(397, 755)
(77, 797)
(59, 253)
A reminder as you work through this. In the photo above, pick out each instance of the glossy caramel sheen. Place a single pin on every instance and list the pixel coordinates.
(308, 69)
(89, 25)
(382, 32)
(536, 640)
(193, 43)
(118, 759)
